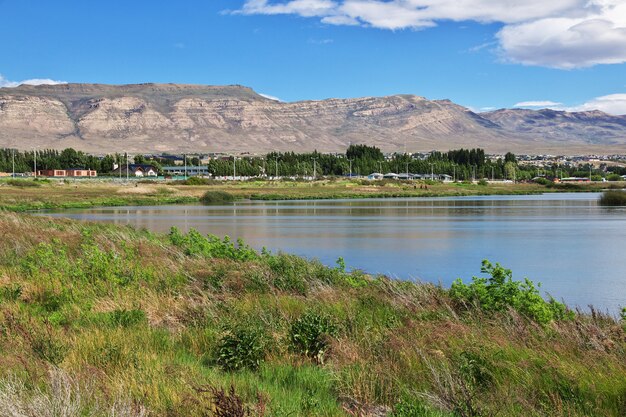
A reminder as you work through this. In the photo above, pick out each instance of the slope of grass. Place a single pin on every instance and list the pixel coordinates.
(116, 321)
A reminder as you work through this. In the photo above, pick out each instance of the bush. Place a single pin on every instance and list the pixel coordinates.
(23, 183)
(310, 334)
(289, 272)
(613, 198)
(482, 182)
(242, 347)
(543, 181)
(194, 244)
(197, 181)
(213, 197)
(500, 292)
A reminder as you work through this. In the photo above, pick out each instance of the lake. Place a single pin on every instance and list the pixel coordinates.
(566, 241)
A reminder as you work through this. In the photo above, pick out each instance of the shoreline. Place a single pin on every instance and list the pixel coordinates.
(53, 196)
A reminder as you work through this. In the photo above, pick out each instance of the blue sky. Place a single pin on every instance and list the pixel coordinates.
(570, 54)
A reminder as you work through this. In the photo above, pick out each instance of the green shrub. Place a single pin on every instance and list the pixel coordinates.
(500, 292)
(214, 197)
(310, 334)
(289, 272)
(194, 244)
(413, 407)
(613, 198)
(482, 182)
(543, 181)
(614, 177)
(197, 181)
(23, 183)
(242, 347)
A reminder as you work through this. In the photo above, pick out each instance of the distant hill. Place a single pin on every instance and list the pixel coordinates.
(181, 118)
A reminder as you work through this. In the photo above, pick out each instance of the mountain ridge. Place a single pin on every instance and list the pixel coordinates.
(153, 117)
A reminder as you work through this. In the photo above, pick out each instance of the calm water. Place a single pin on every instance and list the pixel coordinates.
(566, 241)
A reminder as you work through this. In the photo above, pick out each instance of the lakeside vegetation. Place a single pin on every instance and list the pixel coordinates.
(613, 198)
(23, 195)
(108, 320)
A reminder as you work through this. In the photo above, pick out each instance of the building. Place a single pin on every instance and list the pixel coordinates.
(375, 176)
(76, 173)
(190, 171)
(136, 170)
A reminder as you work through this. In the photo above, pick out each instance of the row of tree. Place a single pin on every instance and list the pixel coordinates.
(462, 164)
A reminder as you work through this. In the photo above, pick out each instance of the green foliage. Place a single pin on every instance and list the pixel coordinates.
(197, 181)
(194, 244)
(289, 272)
(364, 152)
(413, 407)
(474, 369)
(613, 198)
(213, 197)
(242, 346)
(482, 182)
(499, 292)
(310, 335)
(23, 183)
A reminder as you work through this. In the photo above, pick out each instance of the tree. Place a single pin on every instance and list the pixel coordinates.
(510, 157)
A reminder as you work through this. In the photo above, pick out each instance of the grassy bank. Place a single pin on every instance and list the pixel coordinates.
(114, 321)
(22, 195)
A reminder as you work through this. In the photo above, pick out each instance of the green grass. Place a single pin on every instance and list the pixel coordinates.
(163, 322)
(25, 195)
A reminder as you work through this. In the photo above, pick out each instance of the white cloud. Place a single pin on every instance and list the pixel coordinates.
(611, 104)
(35, 81)
(539, 103)
(614, 104)
(570, 42)
(556, 33)
(321, 41)
(267, 96)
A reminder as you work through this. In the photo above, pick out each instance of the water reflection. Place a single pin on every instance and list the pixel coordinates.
(564, 240)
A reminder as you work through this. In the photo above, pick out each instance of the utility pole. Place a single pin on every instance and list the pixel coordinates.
(35, 156)
(407, 170)
(454, 172)
(185, 157)
(380, 167)
(314, 167)
(432, 172)
(234, 167)
(492, 177)
(126, 166)
(276, 168)
(589, 172)
(13, 161)
(350, 160)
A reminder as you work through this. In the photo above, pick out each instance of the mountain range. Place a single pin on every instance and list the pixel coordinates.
(176, 118)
